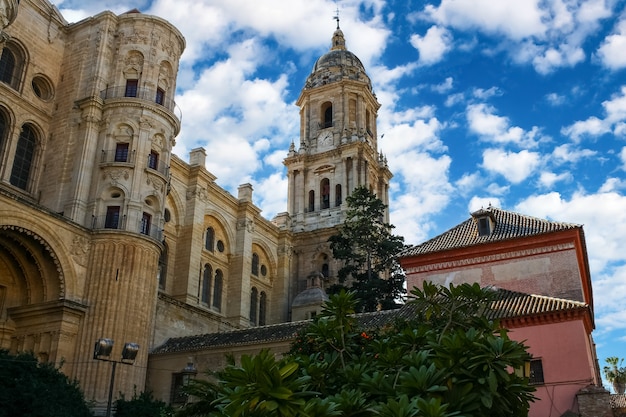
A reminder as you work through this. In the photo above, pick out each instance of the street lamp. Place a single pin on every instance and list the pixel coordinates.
(102, 352)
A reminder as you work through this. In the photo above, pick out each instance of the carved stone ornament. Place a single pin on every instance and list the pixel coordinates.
(80, 248)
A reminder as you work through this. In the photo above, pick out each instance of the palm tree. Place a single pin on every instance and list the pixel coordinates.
(615, 373)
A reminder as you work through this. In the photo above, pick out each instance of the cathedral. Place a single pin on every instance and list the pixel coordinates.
(106, 236)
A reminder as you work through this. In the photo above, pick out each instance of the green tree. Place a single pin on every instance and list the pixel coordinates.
(368, 251)
(33, 389)
(142, 405)
(615, 373)
(446, 359)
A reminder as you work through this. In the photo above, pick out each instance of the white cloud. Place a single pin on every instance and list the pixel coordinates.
(432, 46)
(490, 127)
(611, 51)
(445, 86)
(476, 203)
(546, 34)
(555, 99)
(515, 167)
(515, 19)
(615, 112)
(271, 194)
(547, 179)
(485, 94)
(567, 154)
(552, 58)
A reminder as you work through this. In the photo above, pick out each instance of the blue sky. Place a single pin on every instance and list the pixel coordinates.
(518, 104)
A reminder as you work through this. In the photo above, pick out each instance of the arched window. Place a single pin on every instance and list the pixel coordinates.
(12, 64)
(262, 308)
(325, 270)
(163, 267)
(7, 67)
(325, 194)
(4, 130)
(337, 195)
(209, 239)
(217, 289)
(153, 160)
(254, 299)
(311, 200)
(327, 114)
(24, 154)
(255, 264)
(206, 284)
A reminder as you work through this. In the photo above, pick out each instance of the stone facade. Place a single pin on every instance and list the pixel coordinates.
(104, 233)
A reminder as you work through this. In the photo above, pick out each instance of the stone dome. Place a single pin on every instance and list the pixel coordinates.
(313, 295)
(310, 296)
(337, 64)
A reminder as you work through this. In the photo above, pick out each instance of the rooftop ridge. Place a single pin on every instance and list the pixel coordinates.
(507, 304)
(507, 225)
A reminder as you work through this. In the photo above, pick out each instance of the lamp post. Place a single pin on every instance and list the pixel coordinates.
(102, 352)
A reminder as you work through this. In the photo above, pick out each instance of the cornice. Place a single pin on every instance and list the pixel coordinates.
(494, 257)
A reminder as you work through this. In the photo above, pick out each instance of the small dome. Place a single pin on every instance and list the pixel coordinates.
(337, 64)
(310, 296)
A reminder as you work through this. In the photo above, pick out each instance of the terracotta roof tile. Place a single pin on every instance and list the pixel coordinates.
(618, 401)
(507, 225)
(507, 304)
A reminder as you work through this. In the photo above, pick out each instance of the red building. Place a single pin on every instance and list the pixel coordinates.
(547, 262)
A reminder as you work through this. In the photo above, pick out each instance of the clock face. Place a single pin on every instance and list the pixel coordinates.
(325, 138)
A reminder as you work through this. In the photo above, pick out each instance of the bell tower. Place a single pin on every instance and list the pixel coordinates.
(337, 153)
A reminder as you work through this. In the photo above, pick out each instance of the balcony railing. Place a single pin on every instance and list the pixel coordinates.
(108, 222)
(114, 156)
(119, 223)
(150, 230)
(148, 94)
(160, 167)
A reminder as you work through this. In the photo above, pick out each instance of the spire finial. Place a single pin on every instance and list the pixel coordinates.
(336, 17)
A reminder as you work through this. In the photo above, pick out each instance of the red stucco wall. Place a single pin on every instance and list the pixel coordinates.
(566, 356)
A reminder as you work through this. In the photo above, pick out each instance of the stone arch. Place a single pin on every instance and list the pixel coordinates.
(265, 258)
(20, 59)
(219, 223)
(34, 258)
(165, 76)
(321, 256)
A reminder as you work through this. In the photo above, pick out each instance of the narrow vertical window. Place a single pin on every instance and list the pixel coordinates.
(255, 264)
(325, 194)
(337, 195)
(160, 96)
(254, 299)
(24, 154)
(146, 220)
(163, 268)
(112, 219)
(7, 66)
(209, 239)
(217, 289)
(4, 128)
(311, 200)
(121, 152)
(327, 109)
(262, 308)
(206, 284)
(325, 270)
(153, 160)
(535, 376)
(131, 88)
